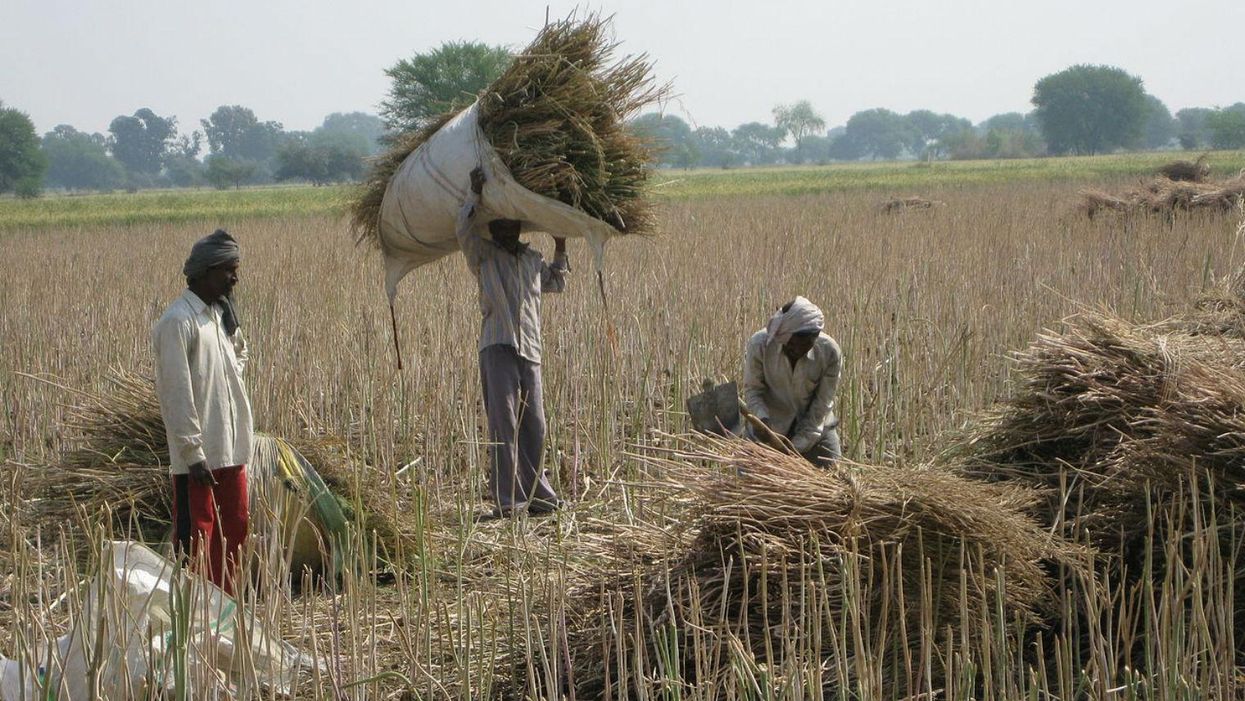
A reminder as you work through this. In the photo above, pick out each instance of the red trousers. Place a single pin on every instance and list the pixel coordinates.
(214, 517)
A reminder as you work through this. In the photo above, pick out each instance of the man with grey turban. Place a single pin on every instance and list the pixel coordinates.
(791, 372)
(200, 355)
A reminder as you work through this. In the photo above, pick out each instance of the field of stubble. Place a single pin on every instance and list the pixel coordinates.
(925, 304)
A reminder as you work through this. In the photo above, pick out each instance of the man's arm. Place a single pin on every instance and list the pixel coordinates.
(173, 341)
(468, 238)
(553, 275)
(809, 427)
(240, 350)
(754, 380)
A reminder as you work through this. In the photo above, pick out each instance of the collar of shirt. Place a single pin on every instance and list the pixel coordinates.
(197, 305)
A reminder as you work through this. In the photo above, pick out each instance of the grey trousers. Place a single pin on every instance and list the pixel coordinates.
(516, 426)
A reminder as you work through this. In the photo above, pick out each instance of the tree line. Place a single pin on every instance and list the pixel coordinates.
(1084, 109)
(143, 150)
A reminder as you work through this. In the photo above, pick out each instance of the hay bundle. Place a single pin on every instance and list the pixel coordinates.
(1189, 171)
(1164, 196)
(1118, 415)
(557, 119)
(899, 558)
(903, 204)
(120, 467)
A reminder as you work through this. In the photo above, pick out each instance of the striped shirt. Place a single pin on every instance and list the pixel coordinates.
(510, 285)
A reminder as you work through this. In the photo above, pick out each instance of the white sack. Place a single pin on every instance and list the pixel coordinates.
(125, 624)
(421, 204)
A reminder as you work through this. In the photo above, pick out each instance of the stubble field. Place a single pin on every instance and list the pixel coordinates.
(925, 304)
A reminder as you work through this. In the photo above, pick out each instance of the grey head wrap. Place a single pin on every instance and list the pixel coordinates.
(215, 249)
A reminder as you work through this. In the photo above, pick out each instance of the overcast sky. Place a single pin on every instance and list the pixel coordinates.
(83, 62)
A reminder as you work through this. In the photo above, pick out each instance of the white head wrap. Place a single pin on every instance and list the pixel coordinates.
(801, 316)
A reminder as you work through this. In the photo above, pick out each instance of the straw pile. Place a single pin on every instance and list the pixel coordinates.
(1119, 414)
(120, 464)
(903, 204)
(1190, 171)
(557, 119)
(903, 557)
(1165, 196)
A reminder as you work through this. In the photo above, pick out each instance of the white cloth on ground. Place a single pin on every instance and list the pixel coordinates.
(801, 316)
(207, 415)
(796, 402)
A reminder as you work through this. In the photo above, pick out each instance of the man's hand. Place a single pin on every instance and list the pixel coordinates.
(477, 180)
(201, 474)
(559, 244)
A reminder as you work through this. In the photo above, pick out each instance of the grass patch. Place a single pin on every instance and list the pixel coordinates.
(888, 179)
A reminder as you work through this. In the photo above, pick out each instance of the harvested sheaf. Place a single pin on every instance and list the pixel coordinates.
(557, 119)
(903, 204)
(119, 468)
(1189, 171)
(1119, 414)
(900, 560)
(1164, 196)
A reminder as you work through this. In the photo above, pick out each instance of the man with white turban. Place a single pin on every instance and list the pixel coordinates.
(200, 355)
(791, 372)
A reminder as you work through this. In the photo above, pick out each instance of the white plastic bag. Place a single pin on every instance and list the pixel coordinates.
(421, 204)
(123, 642)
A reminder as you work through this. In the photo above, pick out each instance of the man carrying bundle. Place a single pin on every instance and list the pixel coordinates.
(200, 355)
(511, 277)
(791, 372)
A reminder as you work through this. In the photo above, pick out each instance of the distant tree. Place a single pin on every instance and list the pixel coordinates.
(21, 163)
(928, 130)
(1090, 109)
(235, 133)
(321, 157)
(876, 133)
(1227, 127)
(79, 161)
(223, 171)
(756, 143)
(1193, 132)
(799, 120)
(816, 149)
(184, 171)
(1160, 127)
(142, 141)
(446, 78)
(1013, 121)
(671, 138)
(715, 147)
(368, 126)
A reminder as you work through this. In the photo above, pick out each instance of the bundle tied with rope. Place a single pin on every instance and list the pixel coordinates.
(551, 137)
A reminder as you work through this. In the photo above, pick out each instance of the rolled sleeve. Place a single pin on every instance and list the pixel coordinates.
(469, 240)
(173, 341)
(754, 379)
(553, 275)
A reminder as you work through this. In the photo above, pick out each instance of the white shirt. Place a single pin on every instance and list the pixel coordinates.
(510, 286)
(798, 402)
(207, 416)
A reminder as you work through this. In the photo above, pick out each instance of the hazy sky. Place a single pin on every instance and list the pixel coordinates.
(84, 62)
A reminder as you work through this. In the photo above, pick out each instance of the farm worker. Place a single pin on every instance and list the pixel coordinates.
(791, 372)
(511, 279)
(200, 355)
